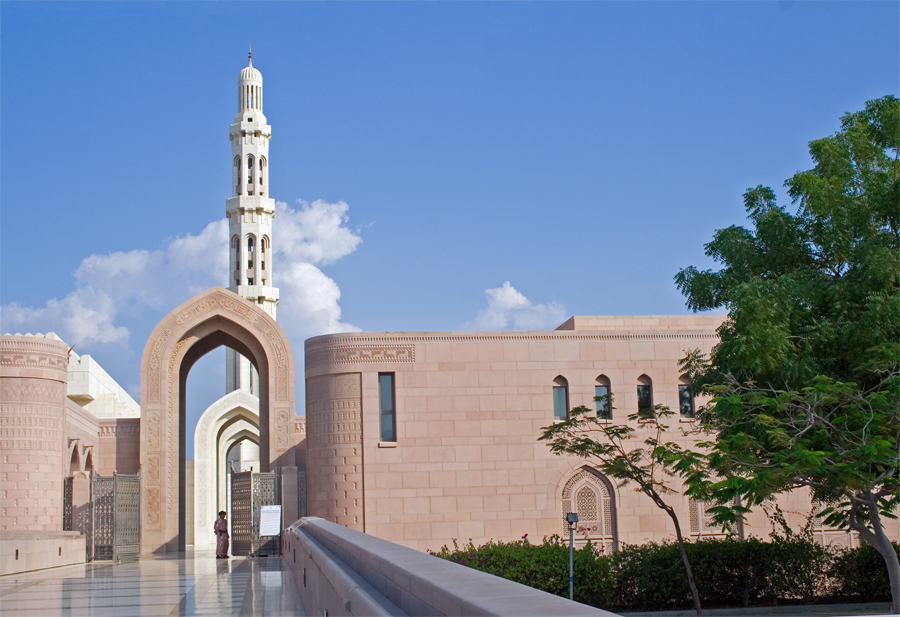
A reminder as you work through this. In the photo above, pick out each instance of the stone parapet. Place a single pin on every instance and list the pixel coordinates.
(24, 551)
(340, 571)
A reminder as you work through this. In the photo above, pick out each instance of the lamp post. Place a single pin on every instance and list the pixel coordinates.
(571, 518)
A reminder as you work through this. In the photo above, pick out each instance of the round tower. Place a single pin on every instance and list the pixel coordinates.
(250, 211)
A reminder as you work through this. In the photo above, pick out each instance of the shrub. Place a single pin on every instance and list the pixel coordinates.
(860, 574)
(543, 566)
(729, 572)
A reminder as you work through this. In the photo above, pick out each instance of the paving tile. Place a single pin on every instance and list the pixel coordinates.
(185, 584)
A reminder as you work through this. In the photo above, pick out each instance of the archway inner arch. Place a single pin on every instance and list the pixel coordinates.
(212, 319)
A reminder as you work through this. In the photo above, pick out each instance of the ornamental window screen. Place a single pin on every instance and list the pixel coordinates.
(828, 535)
(701, 520)
(589, 496)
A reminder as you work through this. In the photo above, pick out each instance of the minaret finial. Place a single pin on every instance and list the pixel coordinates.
(250, 63)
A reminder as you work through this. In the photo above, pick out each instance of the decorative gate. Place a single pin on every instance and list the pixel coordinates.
(67, 504)
(301, 494)
(249, 492)
(116, 517)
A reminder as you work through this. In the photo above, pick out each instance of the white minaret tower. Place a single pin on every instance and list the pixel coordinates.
(250, 211)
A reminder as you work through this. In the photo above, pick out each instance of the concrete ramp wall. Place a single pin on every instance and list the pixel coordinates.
(340, 571)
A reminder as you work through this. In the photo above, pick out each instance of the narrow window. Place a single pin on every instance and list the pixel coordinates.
(249, 170)
(602, 398)
(645, 392)
(685, 398)
(250, 252)
(236, 245)
(560, 398)
(386, 403)
(261, 170)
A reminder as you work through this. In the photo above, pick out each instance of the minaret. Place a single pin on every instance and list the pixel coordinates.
(250, 211)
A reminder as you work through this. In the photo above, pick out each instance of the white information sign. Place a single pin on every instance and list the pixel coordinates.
(269, 521)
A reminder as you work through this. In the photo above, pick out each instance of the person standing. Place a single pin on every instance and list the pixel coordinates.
(221, 531)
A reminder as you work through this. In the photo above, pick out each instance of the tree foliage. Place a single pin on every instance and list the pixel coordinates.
(806, 378)
(651, 468)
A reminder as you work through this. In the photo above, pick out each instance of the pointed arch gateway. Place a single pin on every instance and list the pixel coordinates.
(214, 318)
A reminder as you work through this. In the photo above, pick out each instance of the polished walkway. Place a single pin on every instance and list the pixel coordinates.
(189, 584)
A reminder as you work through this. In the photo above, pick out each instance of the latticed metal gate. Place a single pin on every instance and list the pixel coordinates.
(301, 494)
(249, 492)
(116, 509)
(67, 504)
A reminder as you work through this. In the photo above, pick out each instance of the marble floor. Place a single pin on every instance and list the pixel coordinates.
(187, 584)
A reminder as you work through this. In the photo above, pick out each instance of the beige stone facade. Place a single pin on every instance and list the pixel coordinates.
(468, 408)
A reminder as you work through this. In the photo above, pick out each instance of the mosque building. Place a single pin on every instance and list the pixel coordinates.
(413, 437)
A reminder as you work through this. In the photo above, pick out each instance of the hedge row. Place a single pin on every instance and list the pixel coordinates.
(728, 572)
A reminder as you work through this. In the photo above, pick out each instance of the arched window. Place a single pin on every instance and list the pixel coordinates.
(685, 398)
(251, 246)
(249, 170)
(603, 397)
(589, 494)
(236, 249)
(644, 392)
(237, 175)
(560, 398)
(89, 461)
(262, 168)
(263, 250)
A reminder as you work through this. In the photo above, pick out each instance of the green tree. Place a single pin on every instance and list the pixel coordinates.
(651, 468)
(806, 378)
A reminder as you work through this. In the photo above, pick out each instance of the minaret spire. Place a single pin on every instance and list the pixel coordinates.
(250, 61)
(250, 211)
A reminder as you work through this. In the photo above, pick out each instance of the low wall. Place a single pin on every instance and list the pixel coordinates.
(24, 551)
(340, 571)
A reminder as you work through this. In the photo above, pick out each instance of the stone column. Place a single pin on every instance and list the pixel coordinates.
(33, 377)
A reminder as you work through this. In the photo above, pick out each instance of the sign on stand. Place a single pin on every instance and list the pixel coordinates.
(269, 521)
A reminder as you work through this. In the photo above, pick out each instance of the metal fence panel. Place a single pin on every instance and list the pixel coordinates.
(127, 545)
(265, 493)
(67, 504)
(103, 498)
(241, 512)
(301, 493)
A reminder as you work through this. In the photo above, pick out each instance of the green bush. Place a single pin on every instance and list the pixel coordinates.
(543, 566)
(860, 574)
(798, 569)
(790, 568)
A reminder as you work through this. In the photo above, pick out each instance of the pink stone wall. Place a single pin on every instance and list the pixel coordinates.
(33, 374)
(82, 428)
(470, 406)
(120, 446)
(469, 409)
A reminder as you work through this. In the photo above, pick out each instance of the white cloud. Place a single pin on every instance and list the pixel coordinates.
(314, 234)
(109, 286)
(508, 308)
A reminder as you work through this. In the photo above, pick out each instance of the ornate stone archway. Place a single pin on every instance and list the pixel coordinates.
(238, 406)
(214, 318)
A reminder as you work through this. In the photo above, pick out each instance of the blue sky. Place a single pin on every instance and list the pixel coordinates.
(581, 152)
